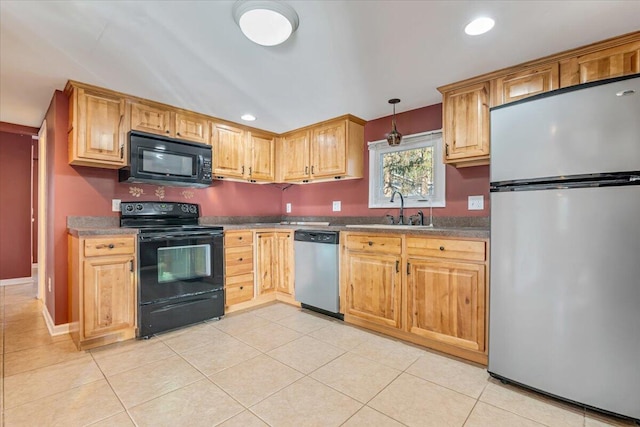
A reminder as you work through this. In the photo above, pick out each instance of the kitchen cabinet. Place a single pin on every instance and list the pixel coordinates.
(242, 155)
(96, 133)
(522, 84)
(466, 125)
(166, 121)
(238, 263)
(330, 150)
(616, 61)
(274, 262)
(427, 290)
(102, 289)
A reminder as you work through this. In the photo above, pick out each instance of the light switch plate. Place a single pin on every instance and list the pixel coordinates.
(288, 207)
(337, 206)
(115, 205)
(476, 203)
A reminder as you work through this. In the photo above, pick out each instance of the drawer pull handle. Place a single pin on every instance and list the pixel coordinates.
(240, 238)
(442, 248)
(241, 287)
(111, 246)
(239, 259)
(370, 243)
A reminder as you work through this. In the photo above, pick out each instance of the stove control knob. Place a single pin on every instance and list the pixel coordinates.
(184, 208)
(193, 209)
(128, 208)
(139, 207)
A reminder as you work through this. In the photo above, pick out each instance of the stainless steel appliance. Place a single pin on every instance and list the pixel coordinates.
(180, 265)
(565, 244)
(316, 276)
(166, 161)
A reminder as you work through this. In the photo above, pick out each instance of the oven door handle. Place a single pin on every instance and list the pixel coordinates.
(169, 237)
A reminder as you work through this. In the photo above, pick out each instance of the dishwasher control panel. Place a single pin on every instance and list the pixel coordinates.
(317, 236)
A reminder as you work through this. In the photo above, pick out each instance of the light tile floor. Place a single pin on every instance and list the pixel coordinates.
(275, 365)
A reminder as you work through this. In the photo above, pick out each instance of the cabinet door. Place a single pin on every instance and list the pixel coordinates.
(265, 259)
(607, 63)
(284, 261)
(374, 287)
(262, 164)
(100, 133)
(295, 157)
(228, 151)
(328, 150)
(526, 83)
(149, 118)
(192, 127)
(466, 122)
(446, 302)
(109, 295)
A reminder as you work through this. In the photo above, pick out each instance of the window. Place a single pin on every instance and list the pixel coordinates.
(414, 168)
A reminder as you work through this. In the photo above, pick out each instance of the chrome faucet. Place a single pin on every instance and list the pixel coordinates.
(401, 217)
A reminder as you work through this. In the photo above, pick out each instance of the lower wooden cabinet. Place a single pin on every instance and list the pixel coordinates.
(427, 290)
(258, 273)
(102, 289)
(373, 287)
(446, 302)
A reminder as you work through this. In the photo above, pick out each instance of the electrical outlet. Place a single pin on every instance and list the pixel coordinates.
(115, 205)
(476, 203)
(337, 206)
(288, 207)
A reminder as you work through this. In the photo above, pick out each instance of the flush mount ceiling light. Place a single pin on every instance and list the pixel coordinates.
(394, 137)
(479, 26)
(265, 22)
(248, 117)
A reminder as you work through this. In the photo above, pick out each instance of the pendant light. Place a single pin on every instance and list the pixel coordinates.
(394, 137)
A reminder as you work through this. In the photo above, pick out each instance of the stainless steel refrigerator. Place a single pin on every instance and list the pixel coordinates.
(565, 244)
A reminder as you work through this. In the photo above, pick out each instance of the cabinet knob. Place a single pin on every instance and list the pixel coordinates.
(111, 246)
(178, 133)
(241, 287)
(442, 248)
(240, 238)
(166, 131)
(239, 259)
(370, 243)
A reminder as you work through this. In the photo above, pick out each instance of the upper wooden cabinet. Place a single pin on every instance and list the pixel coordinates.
(602, 64)
(150, 118)
(466, 104)
(97, 134)
(192, 127)
(466, 124)
(523, 84)
(330, 150)
(242, 155)
(162, 120)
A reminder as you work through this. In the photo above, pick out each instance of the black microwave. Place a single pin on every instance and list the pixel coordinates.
(159, 160)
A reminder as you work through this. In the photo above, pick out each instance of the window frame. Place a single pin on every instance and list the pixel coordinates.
(409, 142)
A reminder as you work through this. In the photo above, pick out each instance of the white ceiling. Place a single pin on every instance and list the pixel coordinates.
(346, 57)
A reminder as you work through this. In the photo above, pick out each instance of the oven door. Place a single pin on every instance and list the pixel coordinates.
(175, 266)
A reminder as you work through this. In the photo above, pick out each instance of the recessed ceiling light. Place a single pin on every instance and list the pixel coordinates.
(479, 26)
(248, 117)
(265, 22)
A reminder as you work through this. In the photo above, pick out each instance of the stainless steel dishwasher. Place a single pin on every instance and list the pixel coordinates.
(317, 261)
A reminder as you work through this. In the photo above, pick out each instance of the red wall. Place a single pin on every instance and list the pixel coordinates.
(15, 205)
(316, 199)
(86, 191)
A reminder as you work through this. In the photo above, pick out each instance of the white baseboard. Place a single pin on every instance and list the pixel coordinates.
(54, 329)
(16, 281)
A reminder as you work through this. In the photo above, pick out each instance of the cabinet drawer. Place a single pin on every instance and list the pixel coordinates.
(385, 244)
(446, 248)
(238, 294)
(238, 260)
(240, 280)
(101, 246)
(238, 238)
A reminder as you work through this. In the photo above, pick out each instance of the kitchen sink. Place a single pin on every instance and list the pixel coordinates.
(392, 226)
